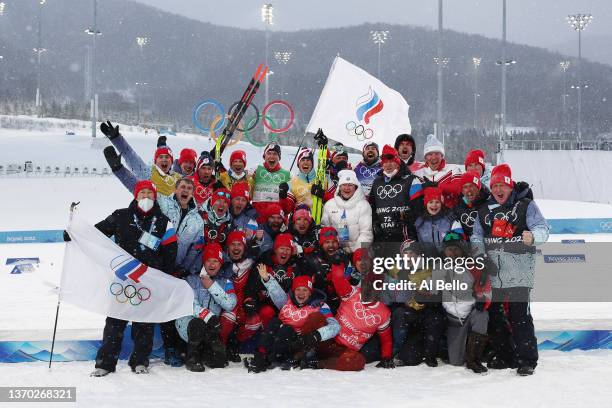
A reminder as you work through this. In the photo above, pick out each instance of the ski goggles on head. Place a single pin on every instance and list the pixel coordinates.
(329, 234)
(222, 194)
(452, 236)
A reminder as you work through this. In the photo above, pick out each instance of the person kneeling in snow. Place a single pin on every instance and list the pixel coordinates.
(303, 322)
(213, 293)
(466, 310)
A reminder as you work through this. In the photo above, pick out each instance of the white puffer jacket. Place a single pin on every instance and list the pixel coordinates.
(357, 211)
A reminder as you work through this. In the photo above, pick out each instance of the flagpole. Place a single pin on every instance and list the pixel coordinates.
(59, 294)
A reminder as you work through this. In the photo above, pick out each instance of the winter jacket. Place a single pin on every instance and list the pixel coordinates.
(300, 186)
(466, 213)
(265, 190)
(355, 214)
(457, 302)
(366, 174)
(229, 178)
(255, 289)
(514, 260)
(165, 183)
(448, 177)
(189, 231)
(246, 220)
(432, 229)
(127, 226)
(307, 242)
(396, 202)
(214, 300)
(216, 228)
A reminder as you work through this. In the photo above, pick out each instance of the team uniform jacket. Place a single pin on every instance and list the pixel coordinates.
(367, 174)
(448, 177)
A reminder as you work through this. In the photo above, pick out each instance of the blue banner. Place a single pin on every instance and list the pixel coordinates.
(31, 237)
(577, 258)
(581, 226)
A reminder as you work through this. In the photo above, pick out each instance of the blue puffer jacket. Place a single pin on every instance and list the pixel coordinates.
(219, 297)
(246, 220)
(189, 232)
(431, 230)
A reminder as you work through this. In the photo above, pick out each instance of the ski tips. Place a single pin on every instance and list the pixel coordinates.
(263, 74)
(256, 75)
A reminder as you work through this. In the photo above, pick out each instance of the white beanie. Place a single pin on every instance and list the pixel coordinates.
(433, 145)
(347, 177)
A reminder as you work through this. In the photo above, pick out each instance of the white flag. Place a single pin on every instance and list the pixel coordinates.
(101, 277)
(355, 107)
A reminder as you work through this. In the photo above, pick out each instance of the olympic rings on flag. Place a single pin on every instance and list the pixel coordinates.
(129, 292)
(249, 126)
(359, 131)
(264, 113)
(271, 138)
(213, 134)
(198, 109)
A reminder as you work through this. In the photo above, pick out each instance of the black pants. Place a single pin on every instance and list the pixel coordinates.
(512, 335)
(171, 337)
(108, 354)
(276, 340)
(424, 329)
(206, 343)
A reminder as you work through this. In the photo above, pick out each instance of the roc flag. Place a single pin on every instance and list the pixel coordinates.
(355, 107)
(101, 277)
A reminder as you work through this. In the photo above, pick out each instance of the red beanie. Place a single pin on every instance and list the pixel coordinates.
(303, 281)
(475, 156)
(502, 174)
(240, 189)
(236, 236)
(220, 194)
(275, 209)
(302, 213)
(145, 184)
(238, 155)
(188, 155)
(214, 251)
(471, 177)
(359, 254)
(389, 154)
(162, 150)
(432, 193)
(283, 240)
(327, 233)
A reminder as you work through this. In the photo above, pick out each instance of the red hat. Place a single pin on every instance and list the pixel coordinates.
(502, 174)
(220, 194)
(303, 281)
(238, 155)
(432, 193)
(283, 240)
(275, 209)
(240, 189)
(389, 154)
(302, 213)
(471, 177)
(142, 184)
(213, 251)
(475, 156)
(162, 150)
(236, 236)
(188, 155)
(327, 233)
(359, 254)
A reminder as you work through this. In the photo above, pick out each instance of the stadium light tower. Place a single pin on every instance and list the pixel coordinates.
(564, 65)
(142, 41)
(2, 7)
(579, 22)
(39, 50)
(476, 61)
(283, 58)
(267, 17)
(441, 62)
(379, 37)
(94, 32)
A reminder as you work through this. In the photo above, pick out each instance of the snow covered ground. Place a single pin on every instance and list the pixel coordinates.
(28, 302)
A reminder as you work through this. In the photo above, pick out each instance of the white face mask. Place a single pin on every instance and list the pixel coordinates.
(145, 204)
(393, 173)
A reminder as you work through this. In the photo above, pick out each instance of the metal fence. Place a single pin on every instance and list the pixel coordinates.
(556, 145)
(28, 169)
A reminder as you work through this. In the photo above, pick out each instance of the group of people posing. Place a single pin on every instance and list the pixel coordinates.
(269, 278)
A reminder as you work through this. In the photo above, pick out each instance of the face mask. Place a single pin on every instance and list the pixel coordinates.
(393, 173)
(145, 204)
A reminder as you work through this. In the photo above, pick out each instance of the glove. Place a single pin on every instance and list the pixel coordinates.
(108, 129)
(306, 341)
(249, 307)
(428, 183)
(181, 273)
(214, 323)
(67, 237)
(283, 189)
(317, 190)
(219, 167)
(337, 258)
(113, 160)
(320, 138)
(161, 141)
(386, 363)
(217, 185)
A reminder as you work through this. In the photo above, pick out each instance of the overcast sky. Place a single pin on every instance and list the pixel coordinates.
(534, 22)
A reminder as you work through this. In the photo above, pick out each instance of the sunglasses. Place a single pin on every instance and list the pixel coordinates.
(329, 234)
(222, 194)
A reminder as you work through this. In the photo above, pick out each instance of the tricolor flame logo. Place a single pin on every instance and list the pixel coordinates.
(368, 105)
(126, 267)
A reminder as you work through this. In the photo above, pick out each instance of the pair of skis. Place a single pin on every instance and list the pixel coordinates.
(320, 177)
(235, 116)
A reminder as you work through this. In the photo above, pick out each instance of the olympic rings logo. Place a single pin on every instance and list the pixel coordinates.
(295, 315)
(368, 172)
(213, 234)
(509, 216)
(198, 110)
(268, 177)
(469, 218)
(362, 313)
(358, 131)
(130, 293)
(388, 191)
